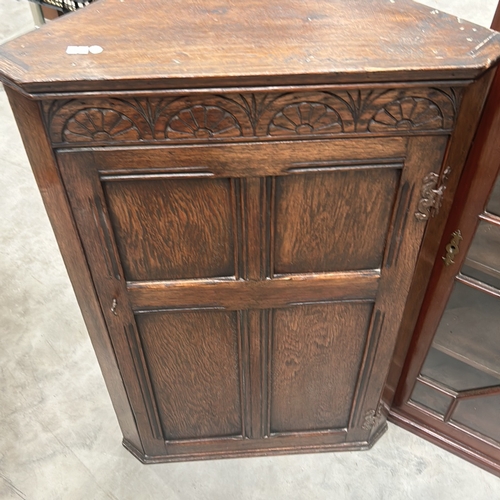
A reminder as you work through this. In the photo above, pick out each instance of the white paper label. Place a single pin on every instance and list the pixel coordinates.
(84, 49)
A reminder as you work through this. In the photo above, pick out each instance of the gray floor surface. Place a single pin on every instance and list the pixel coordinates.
(59, 438)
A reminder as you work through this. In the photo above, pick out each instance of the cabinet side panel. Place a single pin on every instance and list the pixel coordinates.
(45, 170)
(172, 228)
(333, 221)
(194, 368)
(315, 359)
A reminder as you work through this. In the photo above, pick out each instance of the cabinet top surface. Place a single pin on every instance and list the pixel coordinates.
(201, 43)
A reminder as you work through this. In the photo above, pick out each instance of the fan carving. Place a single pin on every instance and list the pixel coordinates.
(306, 118)
(96, 124)
(409, 113)
(228, 116)
(203, 122)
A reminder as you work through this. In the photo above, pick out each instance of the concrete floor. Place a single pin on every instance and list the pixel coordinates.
(59, 438)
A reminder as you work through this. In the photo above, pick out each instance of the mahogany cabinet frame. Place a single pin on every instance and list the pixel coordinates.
(480, 173)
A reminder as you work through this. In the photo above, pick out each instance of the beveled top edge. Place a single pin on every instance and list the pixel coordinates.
(210, 43)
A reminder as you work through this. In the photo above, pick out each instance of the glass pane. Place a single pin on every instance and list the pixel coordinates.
(430, 398)
(470, 329)
(483, 259)
(480, 414)
(455, 374)
(493, 206)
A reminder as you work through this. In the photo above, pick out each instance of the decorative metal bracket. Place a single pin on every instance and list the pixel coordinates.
(432, 195)
(452, 248)
(372, 417)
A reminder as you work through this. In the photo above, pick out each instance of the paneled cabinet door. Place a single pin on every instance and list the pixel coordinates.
(253, 291)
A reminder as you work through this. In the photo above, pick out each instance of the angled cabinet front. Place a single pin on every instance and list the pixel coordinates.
(252, 291)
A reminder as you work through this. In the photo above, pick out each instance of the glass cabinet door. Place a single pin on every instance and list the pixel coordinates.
(460, 379)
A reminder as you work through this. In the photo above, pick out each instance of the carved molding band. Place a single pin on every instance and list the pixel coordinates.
(209, 117)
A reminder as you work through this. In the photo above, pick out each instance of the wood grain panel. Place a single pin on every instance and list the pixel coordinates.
(315, 359)
(194, 369)
(173, 228)
(333, 221)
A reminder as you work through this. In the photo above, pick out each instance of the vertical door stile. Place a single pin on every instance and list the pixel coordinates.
(82, 183)
(253, 246)
(404, 245)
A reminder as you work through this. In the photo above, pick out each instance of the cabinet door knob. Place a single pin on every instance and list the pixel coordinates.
(452, 248)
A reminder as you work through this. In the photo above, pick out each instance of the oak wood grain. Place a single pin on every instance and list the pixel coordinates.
(238, 160)
(193, 363)
(248, 251)
(314, 212)
(44, 166)
(236, 295)
(173, 228)
(314, 364)
(421, 151)
(202, 43)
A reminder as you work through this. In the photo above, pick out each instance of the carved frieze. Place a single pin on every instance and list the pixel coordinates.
(251, 116)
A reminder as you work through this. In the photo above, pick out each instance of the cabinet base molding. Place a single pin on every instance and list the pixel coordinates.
(428, 432)
(256, 450)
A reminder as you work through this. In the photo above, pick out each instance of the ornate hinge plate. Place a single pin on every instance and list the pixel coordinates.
(432, 195)
(372, 417)
(452, 248)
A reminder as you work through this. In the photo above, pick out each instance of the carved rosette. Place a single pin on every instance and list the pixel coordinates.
(99, 125)
(306, 118)
(202, 122)
(409, 113)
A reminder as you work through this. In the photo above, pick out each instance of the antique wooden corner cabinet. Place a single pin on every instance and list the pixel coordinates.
(243, 194)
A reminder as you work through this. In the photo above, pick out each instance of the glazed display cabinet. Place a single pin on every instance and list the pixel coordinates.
(449, 391)
(243, 196)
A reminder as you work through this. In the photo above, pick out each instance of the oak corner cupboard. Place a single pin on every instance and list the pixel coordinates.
(243, 194)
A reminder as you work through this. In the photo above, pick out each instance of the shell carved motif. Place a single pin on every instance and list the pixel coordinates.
(409, 113)
(306, 118)
(203, 122)
(95, 124)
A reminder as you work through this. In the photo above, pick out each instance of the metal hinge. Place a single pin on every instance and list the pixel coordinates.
(432, 194)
